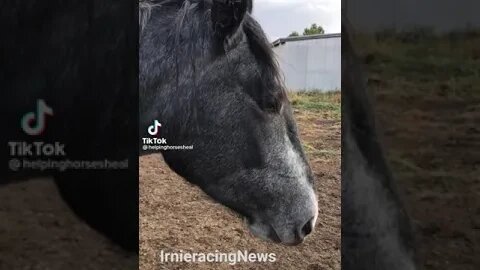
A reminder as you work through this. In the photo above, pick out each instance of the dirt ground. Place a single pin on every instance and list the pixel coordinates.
(38, 231)
(176, 216)
(439, 173)
(427, 100)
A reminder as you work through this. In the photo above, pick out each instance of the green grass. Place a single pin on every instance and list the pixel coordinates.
(445, 65)
(318, 102)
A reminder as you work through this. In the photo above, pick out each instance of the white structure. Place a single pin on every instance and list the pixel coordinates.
(310, 63)
(444, 15)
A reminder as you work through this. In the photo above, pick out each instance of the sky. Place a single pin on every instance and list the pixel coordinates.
(279, 18)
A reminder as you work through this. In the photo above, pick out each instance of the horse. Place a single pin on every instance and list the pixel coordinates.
(209, 77)
(376, 230)
(79, 59)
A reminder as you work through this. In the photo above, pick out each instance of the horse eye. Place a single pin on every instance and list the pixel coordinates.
(273, 102)
(273, 105)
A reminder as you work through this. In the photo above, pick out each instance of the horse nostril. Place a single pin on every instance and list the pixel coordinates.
(307, 228)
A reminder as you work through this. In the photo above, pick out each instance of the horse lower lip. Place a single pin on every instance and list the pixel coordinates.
(296, 243)
(248, 220)
(274, 236)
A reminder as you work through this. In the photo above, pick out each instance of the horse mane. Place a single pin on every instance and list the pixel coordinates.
(262, 50)
(145, 10)
(260, 47)
(186, 24)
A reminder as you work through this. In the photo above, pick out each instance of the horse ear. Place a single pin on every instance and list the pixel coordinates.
(227, 16)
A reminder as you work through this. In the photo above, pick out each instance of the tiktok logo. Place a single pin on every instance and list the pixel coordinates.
(28, 119)
(154, 129)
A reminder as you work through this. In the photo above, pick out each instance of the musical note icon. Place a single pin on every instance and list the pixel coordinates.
(153, 129)
(28, 119)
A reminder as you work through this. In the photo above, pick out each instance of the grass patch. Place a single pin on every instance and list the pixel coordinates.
(318, 102)
(318, 118)
(439, 65)
(319, 153)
